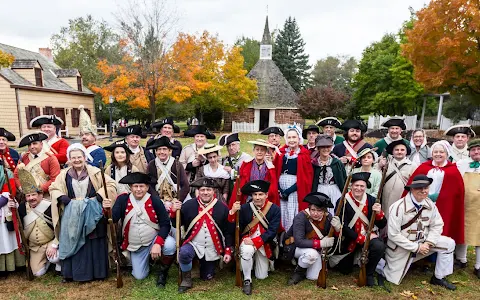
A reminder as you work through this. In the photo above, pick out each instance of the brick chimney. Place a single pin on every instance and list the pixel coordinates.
(47, 53)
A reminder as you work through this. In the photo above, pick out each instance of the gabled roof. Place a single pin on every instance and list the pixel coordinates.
(24, 63)
(51, 70)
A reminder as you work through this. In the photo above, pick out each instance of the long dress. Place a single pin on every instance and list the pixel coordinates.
(329, 179)
(10, 257)
(90, 262)
(448, 191)
(293, 169)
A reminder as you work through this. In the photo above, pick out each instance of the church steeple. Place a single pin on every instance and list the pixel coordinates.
(266, 44)
(267, 38)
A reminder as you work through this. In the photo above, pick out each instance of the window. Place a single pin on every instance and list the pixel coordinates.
(38, 77)
(79, 83)
(75, 117)
(31, 112)
(48, 110)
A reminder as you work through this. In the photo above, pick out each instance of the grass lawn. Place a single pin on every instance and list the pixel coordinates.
(415, 285)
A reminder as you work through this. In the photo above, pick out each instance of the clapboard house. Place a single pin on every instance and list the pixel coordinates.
(34, 85)
(276, 104)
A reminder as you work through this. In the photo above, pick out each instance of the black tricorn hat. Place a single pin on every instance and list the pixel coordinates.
(395, 122)
(276, 130)
(205, 182)
(136, 177)
(393, 144)
(7, 134)
(310, 128)
(419, 181)
(165, 121)
(199, 129)
(32, 137)
(460, 128)
(119, 143)
(331, 121)
(227, 139)
(357, 124)
(132, 129)
(255, 186)
(318, 199)
(45, 119)
(162, 141)
(364, 176)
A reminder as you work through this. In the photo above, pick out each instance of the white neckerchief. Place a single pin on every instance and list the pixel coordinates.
(437, 175)
(388, 139)
(219, 173)
(53, 140)
(459, 154)
(134, 151)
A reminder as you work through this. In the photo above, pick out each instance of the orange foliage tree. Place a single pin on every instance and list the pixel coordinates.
(6, 59)
(444, 46)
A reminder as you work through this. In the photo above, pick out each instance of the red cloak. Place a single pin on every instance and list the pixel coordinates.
(270, 176)
(304, 173)
(450, 201)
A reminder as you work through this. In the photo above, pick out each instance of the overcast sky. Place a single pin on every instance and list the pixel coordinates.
(328, 27)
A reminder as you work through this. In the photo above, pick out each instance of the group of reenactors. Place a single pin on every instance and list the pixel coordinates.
(330, 202)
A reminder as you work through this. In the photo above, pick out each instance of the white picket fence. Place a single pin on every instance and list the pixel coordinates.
(251, 128)
(374, 122)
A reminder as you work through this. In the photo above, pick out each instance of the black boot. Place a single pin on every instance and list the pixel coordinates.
(370, 281)
(163, 272)
(476, 272)
(443, 282)
(186, 282)
(297, 276)
(247, 287)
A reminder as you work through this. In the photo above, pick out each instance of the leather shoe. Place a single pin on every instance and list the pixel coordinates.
(459, 264)
(443, 282)
(476, 272)
(247, 287)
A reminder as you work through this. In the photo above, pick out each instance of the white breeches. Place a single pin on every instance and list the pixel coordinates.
(248, 255)
(444, 249)
(311, 260)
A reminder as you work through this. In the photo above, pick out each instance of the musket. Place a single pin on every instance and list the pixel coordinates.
(238, 275)
(19, 227)
(178, 230)
(113, 231)
(322, 276)
(362, 276)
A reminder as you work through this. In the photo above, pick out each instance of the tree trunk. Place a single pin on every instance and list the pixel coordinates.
(153, 108)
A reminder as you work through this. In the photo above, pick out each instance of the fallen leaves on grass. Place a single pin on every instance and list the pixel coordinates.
(408, 294)
(334, 288)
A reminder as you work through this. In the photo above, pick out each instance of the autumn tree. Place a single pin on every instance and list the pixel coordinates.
(250, 51)
(290, 57)
(321, 101)
(6, 59)
(221, 72)
(444, 46)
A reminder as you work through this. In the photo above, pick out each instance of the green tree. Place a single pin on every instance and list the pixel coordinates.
(335, 71)
(250, 51)
(384, 83)
(289, 55)
(82, 44)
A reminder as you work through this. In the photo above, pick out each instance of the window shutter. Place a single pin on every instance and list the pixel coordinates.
(75, 117)
(37, 111)
(27, 114)
(38, 77)
(79, 83)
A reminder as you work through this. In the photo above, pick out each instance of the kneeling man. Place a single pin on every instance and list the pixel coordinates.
(309, 235)
(36, 216)
(146, 225)
(259, 222)
(414, 232)
(208, 233)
